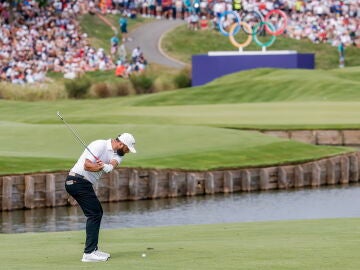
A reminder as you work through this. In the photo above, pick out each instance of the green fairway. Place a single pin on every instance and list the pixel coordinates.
(295, 245)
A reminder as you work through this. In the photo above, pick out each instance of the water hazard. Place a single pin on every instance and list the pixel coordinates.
(331, 202)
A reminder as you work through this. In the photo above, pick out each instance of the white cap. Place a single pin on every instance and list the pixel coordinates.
(128, 140)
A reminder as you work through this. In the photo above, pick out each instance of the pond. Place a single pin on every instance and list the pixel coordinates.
(324, 202)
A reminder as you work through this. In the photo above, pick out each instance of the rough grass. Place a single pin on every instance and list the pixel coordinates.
(296, 245)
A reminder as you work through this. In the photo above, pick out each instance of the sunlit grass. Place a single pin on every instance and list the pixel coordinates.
(166, 138)
(297, 245)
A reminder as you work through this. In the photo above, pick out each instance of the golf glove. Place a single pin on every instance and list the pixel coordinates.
(108, 168)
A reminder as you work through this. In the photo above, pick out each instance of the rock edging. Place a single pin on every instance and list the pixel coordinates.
(320, 137)
(47, 189)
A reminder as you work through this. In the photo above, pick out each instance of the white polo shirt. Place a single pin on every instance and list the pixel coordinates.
(102, 149)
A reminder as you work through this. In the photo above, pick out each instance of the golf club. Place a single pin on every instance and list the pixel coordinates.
(76, 135)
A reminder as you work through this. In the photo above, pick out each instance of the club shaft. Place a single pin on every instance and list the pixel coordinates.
(76, 135)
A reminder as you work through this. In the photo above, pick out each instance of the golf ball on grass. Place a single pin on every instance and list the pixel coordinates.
(143, 255)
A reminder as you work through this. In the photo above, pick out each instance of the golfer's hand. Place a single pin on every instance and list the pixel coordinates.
(93, 166)
(100, 164)
(108, 168)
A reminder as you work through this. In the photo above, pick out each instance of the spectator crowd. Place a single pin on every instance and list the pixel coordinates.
(327, 21)
(136, 64)
(37, 38)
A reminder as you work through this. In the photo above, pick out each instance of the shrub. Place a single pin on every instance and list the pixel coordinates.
(143, 83)
(77, 88)
(123, 88)
(101, 90)
(183, 78)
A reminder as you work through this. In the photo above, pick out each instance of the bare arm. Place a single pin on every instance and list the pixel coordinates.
(93, 166)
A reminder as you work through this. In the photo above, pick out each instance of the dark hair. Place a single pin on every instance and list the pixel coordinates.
(117, 138)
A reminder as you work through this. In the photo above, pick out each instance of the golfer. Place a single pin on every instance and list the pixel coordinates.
(79, 184)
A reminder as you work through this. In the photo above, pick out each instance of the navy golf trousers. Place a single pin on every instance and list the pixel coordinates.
(83, 192)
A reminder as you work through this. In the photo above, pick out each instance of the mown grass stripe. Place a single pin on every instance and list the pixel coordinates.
(329, 244)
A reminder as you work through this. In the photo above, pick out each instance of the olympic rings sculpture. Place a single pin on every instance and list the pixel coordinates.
(264, 24)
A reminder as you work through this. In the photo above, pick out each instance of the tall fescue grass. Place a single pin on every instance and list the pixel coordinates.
(32, 92)
(114, 89)
(97, 85)
(101, 90)
(164, 83)
(121, 88)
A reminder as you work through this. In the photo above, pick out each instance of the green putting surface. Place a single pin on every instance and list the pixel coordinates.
(35, 147)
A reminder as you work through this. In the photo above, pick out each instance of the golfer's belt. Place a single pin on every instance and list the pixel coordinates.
(76, 175)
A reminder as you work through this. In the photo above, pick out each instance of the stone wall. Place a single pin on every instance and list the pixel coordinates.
(47, 189)
(321, 137)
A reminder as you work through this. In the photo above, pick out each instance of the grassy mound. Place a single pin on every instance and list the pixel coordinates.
(296, 245)
(176, 43)
(267, 85)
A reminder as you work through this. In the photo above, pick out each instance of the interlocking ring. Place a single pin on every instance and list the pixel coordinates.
(273, 37)
(236, 16)
(232, 39)
(249, 17)
(263, 24)
(281, 29)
